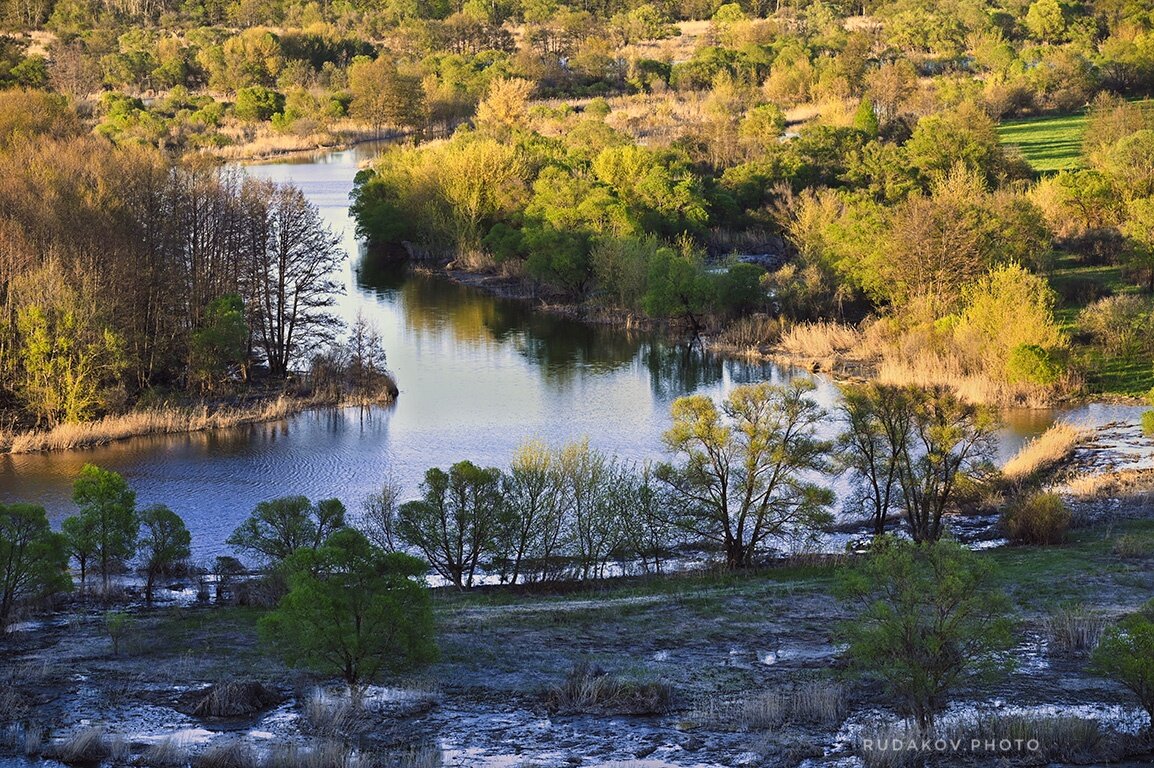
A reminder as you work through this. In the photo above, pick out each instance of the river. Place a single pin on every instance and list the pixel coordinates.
(478, 376)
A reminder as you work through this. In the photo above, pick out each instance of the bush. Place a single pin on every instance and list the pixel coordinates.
(1031, 364)
(1120, 324)
(1040, 520)
(258, 103)
(1126, 654)
(1148, 423)
(1133, 546)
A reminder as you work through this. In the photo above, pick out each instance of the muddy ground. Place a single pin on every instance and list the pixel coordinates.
(717, 670)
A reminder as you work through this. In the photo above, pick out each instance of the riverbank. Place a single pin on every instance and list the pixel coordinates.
(177, 419)
(744, 670)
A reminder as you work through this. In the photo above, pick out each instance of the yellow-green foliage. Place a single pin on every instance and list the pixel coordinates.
(1041, 519)
(1006, 312)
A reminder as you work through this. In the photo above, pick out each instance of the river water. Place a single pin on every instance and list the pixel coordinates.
(478, 376)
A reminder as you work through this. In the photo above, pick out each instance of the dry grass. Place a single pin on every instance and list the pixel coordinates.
(1135, 483)
(329, 715)
(928, 369)
(83, 747)
(1045, 452)
(589, 689)
(751, 334)
(232, 753)
(1073, 631)
(1040, 519)
(822, 340)
(165, 420)
(166, 753)
(235, 698)
(818, 702)
(1134, 546)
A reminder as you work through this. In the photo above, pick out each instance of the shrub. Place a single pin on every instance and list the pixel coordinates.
(258, 103)
(1041, 519)
(1148, 423)
(1032, 364)
(1126, 654)
(1119, 323)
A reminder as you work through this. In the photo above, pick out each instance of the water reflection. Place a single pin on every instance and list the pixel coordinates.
(478, 376)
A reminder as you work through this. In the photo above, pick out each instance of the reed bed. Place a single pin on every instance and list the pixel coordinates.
(164, 420)
(1048, 450)
(821, 340)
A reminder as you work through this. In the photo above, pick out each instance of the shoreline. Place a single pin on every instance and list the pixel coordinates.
(854, 370)
(172, 420)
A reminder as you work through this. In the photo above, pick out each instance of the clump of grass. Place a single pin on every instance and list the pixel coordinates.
(874, 746)
(164, 420)
(1058, 738)
(233, 753)
(331, 716)
(1048, 450)
(1133, 546)
(235, 698)
(166, 753)
(819, 702)
(84, 747)
(327, 754)
(589, 689)
(753, 332)
(424, 756)
(1041, 519)
(1073, 630)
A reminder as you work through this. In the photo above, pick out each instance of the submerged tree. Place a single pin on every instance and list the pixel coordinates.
(108, 511)
(949, 439)
(278, 528)
(742, 478)
(455, 521)
(164, 543)
(353, 610)
(873, 446)
(33, 559)
(931, 617)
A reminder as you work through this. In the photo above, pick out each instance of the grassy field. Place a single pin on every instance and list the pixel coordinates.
(1049, 143)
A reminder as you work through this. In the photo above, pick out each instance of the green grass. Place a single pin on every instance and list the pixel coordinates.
(1048, 143)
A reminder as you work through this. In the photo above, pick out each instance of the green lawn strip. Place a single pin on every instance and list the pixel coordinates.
(1048, 143)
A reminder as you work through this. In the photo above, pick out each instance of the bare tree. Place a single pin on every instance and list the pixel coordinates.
(290, 280)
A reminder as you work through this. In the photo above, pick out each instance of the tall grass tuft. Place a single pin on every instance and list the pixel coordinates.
(1040, 519)
(820, 702)
(233, 753)
(590, 690)
(1045, 452)
(1073, 630)
(84, 747)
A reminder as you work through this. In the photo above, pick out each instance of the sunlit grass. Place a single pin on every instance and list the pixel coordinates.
(1048, 144)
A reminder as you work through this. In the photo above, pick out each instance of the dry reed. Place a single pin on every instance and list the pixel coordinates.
(821, 340)
(164, 420)
(1045, 452)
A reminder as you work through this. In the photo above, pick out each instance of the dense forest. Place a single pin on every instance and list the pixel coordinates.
(832, 181)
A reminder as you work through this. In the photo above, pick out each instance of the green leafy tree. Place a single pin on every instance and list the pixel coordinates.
(80, 543)
(278, 528)
(258, 103)
(33, 559)
(742, 477)
(1139, 227)
(1126, 654)
(873, 446)
(164, 542)
(382, 96)
(353, 610)
(108, 510)
(930, 618)
(453, 525)
(221, 341)
(948, 439)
